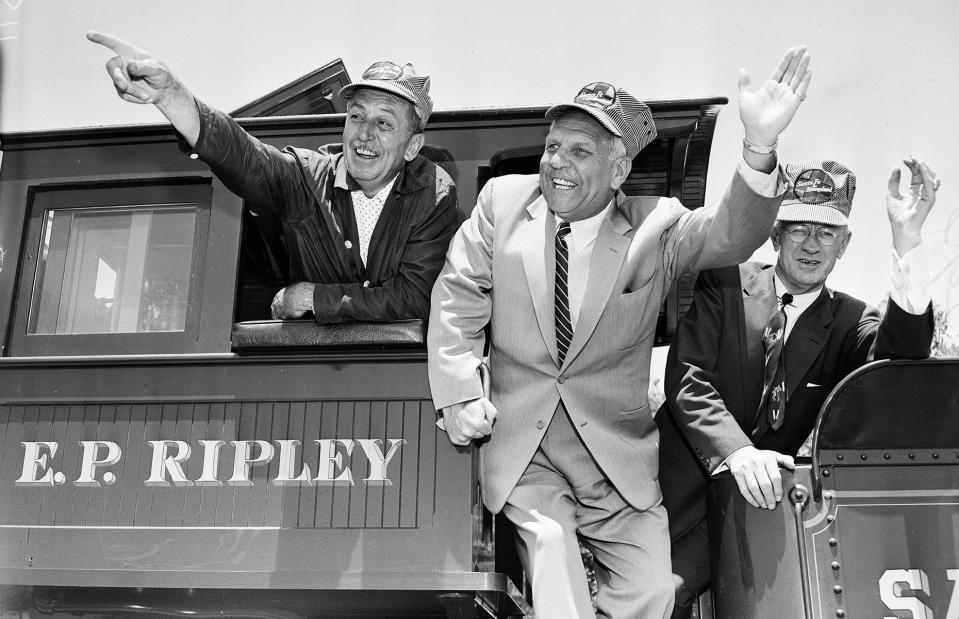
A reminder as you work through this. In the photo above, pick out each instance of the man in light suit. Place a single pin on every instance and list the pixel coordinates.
(715, 416)
(570, 273)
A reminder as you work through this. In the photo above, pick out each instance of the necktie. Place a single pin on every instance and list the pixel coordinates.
(564, 326)
(773, 403)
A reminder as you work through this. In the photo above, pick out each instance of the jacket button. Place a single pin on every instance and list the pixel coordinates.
(366, 284)
(562, 379)
(540, 425)
(349, 244)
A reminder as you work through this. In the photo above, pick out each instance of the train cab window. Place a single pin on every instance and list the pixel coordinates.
(113, 270)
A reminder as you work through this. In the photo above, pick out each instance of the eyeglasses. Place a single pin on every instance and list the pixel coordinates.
(825, 236)
(599, 95)
(386, 70)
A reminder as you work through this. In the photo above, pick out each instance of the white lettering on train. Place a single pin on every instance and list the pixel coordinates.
(168, 458)
(900, 590)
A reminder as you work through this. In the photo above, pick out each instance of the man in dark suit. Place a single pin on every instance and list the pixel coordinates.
(761, 347)
(569, 273)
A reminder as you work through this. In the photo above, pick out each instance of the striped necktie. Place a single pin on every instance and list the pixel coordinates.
(564, 326)
(773, 403)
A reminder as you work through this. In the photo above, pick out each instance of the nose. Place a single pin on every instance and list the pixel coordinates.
(811, 244)
(557, 161)
(365, 131)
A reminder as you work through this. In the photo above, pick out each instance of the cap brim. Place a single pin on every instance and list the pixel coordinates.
(557, 110)
(385, 85)
(813, 213)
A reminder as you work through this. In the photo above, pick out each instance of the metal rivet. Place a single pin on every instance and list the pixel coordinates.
(833, 541)
(830, 518)
(912, 456)
(825, 473)
(827, 495)
(863, 456)
(837, 589)
(840, 612)
(839, 456)
(935, 455)
(886, 455)
(834, 565)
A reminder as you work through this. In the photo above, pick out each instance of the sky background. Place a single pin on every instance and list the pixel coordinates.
(885, 79)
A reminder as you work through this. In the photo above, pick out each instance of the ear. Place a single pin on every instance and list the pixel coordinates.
(414, 146)
(621, 169)
(844, 244)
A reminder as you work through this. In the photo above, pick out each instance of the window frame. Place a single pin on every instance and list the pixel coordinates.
(172, 191)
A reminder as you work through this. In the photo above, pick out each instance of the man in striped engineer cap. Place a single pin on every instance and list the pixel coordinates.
(743, 396)
(366, 222)
(570, 273)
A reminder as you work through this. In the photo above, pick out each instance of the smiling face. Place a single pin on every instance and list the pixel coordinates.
(803, 267)
(378, 138)
(581, 168)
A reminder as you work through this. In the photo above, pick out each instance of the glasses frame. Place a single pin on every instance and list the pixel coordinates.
(798, 233)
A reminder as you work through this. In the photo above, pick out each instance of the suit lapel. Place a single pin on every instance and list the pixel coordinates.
(806, 341)
(609, 252)
(539, 264)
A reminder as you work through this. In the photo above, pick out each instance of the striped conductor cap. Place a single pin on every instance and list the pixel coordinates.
(399, 80)
(819, 192)
(618, 111)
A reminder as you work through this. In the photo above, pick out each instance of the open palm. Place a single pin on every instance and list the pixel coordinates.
(908, 211)
(767, 111)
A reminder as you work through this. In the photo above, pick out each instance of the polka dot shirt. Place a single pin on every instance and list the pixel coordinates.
(367, 212)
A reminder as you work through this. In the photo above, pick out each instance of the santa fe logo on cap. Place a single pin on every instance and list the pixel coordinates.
(598, 94)
(813, 187)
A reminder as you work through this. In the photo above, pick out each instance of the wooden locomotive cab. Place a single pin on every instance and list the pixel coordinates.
(165, 448)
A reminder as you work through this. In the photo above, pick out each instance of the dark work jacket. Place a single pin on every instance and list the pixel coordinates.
(310, 193)
(714, 374)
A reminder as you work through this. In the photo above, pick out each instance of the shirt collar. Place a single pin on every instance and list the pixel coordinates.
(585, 231)
(379, 196)
(800, 301)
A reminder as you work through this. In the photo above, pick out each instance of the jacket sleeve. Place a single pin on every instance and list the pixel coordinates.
(462, 307)
(692, 396)
(407, 295)
(257, 172)
(720, 235)
(896, 335)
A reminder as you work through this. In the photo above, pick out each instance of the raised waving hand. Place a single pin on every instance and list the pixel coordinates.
(768, 110)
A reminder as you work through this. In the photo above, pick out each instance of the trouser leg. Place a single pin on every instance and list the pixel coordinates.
(631, 547)
(690, 567)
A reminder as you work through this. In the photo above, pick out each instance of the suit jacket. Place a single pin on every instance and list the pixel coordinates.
(714, 374)
(500, 270)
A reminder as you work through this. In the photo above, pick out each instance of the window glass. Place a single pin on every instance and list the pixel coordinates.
(114, 270)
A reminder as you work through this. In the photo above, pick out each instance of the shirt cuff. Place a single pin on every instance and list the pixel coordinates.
(910, 280)
(764, 184)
